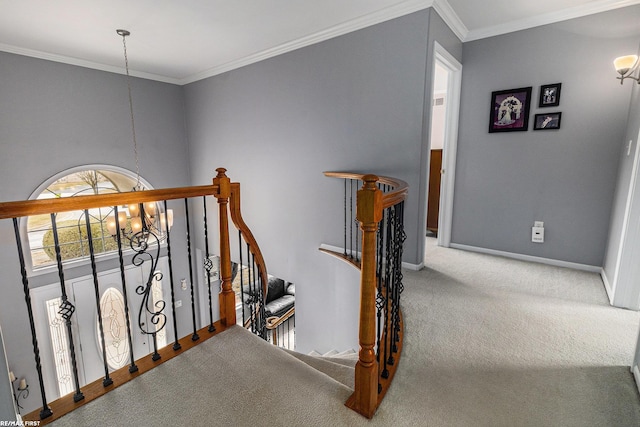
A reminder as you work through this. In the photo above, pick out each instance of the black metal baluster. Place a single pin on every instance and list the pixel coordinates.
(194, 336)
(401, 237)
(387, 278)
(263, 314)
(176, 344)
(345, 217)
(380, 300)
(351, 220)
(133, 367)
(208, 265)
(252, 293)
(45, 411)
(244, 316)
(390, 284)
(66, 310)
(107, 381)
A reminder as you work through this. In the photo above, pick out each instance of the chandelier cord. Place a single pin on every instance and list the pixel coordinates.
(133, 125)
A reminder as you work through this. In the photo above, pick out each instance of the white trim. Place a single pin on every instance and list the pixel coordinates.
(338, 249)
(374, 18)
(449, 153)
(83, 63)
(120, 170)
(625, 221)
(451, 18)
(548, 18)
(636, 375)
(412, 267)
(607, 285)
(529, 258)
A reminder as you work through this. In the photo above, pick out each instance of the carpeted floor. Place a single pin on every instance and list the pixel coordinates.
(489, 342)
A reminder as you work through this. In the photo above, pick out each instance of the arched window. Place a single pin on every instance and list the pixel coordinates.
(71, 226)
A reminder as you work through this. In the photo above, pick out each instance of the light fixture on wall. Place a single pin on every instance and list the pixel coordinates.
(21, 391)
(625, 66)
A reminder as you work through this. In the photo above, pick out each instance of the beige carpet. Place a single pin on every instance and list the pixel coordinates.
(489, 342)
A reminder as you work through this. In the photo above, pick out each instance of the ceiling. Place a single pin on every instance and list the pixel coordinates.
(182, 42)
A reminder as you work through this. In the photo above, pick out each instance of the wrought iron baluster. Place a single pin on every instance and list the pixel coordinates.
(252, 293)
(208, 265)
(66, 310)
(194, 336)
(380, 300)
(401, 236)
(140, 243)
(107, 381)
(45, 411)
(132, 367)
(345, 217)
(387, 360)
(351, 220)
(263, 315)
(176, 344)
(242, 298)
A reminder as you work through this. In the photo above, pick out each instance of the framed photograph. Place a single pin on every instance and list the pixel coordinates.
(550, 95)
(510, 110)
(547, 121)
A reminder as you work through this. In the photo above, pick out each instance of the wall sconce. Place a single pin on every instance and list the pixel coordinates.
(625, 66)
(19, 392)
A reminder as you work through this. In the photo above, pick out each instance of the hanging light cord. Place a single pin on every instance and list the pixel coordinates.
(124, 34)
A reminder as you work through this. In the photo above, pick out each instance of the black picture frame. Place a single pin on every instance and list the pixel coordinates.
(510, 110)
(550, 95)
(548, 121)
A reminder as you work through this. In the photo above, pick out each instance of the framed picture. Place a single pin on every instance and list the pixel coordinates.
(550, 95)
(510, 110)
(547, 121)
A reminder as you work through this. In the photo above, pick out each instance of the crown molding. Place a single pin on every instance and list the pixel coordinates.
(450, 17)
(368, 20)
(82, 63)
(549, 18)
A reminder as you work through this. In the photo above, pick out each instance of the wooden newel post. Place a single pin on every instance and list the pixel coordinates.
(369, 214)
(227, 297)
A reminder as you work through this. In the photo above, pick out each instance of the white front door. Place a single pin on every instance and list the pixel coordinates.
(52, 331)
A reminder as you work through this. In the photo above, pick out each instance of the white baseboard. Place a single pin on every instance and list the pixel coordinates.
(407, 265)
(636, 375)
(607, 285)
(530, 258)
(414, 267)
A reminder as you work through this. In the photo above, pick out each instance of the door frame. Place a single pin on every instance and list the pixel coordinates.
(449, 152)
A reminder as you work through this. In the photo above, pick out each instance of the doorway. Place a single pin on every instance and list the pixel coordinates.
(445, 107)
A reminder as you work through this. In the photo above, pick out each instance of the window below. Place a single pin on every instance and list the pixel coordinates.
(71, 226)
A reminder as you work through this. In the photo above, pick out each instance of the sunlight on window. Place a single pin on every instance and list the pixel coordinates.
(71, 226)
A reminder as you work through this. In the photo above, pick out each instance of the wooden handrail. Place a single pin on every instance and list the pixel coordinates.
(391, 198)
(238, 221)
(46, 206)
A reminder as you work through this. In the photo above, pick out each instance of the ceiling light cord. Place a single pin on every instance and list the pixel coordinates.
(124, 34)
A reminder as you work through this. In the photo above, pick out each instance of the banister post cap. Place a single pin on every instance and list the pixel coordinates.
(370, 181)
(224, 184)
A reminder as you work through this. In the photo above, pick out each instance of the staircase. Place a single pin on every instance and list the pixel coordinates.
(234, 378)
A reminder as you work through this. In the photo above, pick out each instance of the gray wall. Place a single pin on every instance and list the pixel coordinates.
(7, 407)
(621, 264)
(353, 103)
(55, 116)
(566, 178)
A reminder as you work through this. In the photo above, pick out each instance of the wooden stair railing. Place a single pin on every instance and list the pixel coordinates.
(379, 206)
(228, 198)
